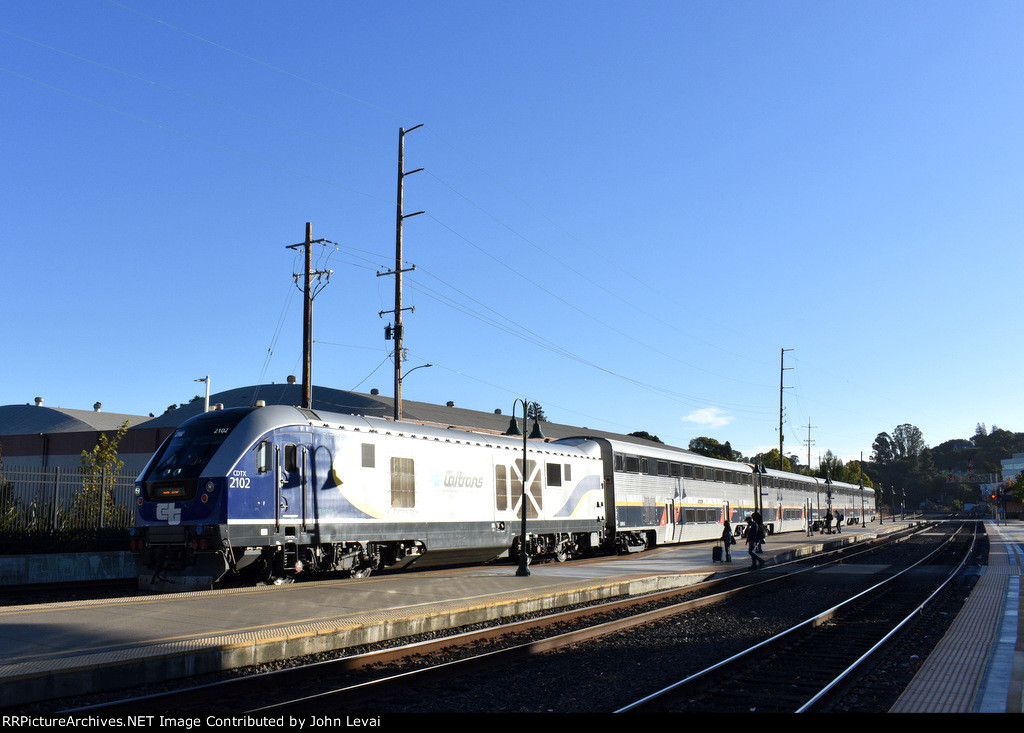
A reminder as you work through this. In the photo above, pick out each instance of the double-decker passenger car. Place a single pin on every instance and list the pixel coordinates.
(658, 494)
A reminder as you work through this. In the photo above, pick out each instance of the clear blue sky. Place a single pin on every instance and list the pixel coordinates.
(631, 208)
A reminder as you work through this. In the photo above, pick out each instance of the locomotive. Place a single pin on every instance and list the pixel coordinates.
(263, 494)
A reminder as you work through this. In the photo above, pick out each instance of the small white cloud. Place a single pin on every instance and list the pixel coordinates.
(710, 416)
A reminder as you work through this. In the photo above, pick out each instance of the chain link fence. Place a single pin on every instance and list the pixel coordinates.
(64, 509)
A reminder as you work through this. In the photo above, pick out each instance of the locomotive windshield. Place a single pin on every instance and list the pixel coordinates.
(189, 450)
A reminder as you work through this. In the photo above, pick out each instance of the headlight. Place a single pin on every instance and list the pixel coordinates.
(209, 485)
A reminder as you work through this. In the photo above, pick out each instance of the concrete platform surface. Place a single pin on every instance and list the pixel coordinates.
(55, 650)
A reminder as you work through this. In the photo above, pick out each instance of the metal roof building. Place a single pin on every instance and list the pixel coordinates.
(34, 419)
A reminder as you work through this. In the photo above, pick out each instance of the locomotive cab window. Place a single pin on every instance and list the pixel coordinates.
(264, 462)
(554, 474)
(291, 458)
(369, 455)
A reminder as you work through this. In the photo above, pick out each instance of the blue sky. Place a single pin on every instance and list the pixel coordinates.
(630, 208)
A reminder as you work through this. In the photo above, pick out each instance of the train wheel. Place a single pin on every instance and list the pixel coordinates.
(362, 572)
(257, 573)
(561, 555)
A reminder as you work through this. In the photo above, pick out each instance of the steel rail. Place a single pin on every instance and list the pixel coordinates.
(280, 678)
(401, 682)
(885, 640)
(647, 701)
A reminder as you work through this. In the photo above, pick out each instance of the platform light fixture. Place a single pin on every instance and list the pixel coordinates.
(828, 494)
(206, 405)
(535, 434)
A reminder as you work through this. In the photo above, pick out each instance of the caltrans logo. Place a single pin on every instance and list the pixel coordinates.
(168, 512)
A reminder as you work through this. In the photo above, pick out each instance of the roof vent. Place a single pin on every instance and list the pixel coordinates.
(498, 411)
(39, 401)
(451, 404)
(374, 391)
(291, 379)
(97, 407)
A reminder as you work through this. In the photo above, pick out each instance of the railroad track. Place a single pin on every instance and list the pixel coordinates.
(809, 666)
(372, 681)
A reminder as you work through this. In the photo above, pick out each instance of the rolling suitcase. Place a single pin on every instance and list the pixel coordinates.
(716, 553)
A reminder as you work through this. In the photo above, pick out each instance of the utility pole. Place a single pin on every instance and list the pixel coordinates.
(809, 442)
(399, 218)
(307, 312)
(782, 372)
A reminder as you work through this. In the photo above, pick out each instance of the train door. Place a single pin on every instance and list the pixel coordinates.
(670, 513)
(292, 492)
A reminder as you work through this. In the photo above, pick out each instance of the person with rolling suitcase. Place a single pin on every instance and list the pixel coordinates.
(728, 540)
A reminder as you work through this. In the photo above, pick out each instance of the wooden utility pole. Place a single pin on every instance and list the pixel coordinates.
(782, 372)
(400, 216)
(307, 313)
(809, 442)
(307, 323)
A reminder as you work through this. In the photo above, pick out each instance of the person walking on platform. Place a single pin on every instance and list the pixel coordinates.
(752, 536)
(728, 540)
(759, 521)
(839, 522)
(828, 522)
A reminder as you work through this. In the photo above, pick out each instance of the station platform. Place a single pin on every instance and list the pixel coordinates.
(978, 666)
(53, 651)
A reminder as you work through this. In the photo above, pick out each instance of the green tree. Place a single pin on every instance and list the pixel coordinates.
(713, 449)
(903, 464)
(647, 436)
(8, 502)
(1016, 487)
(99, 469)
(536, 412)
(771, 460)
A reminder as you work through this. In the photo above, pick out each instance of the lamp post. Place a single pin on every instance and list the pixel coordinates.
(758, 472)
(828, 495)
(206, 379)
(815, 509)
(862, 501)
(421, 366)
(860, 470)
(536, 434)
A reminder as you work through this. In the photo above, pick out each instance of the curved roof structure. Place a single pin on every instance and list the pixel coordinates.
(31, 419)
(370, 405)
